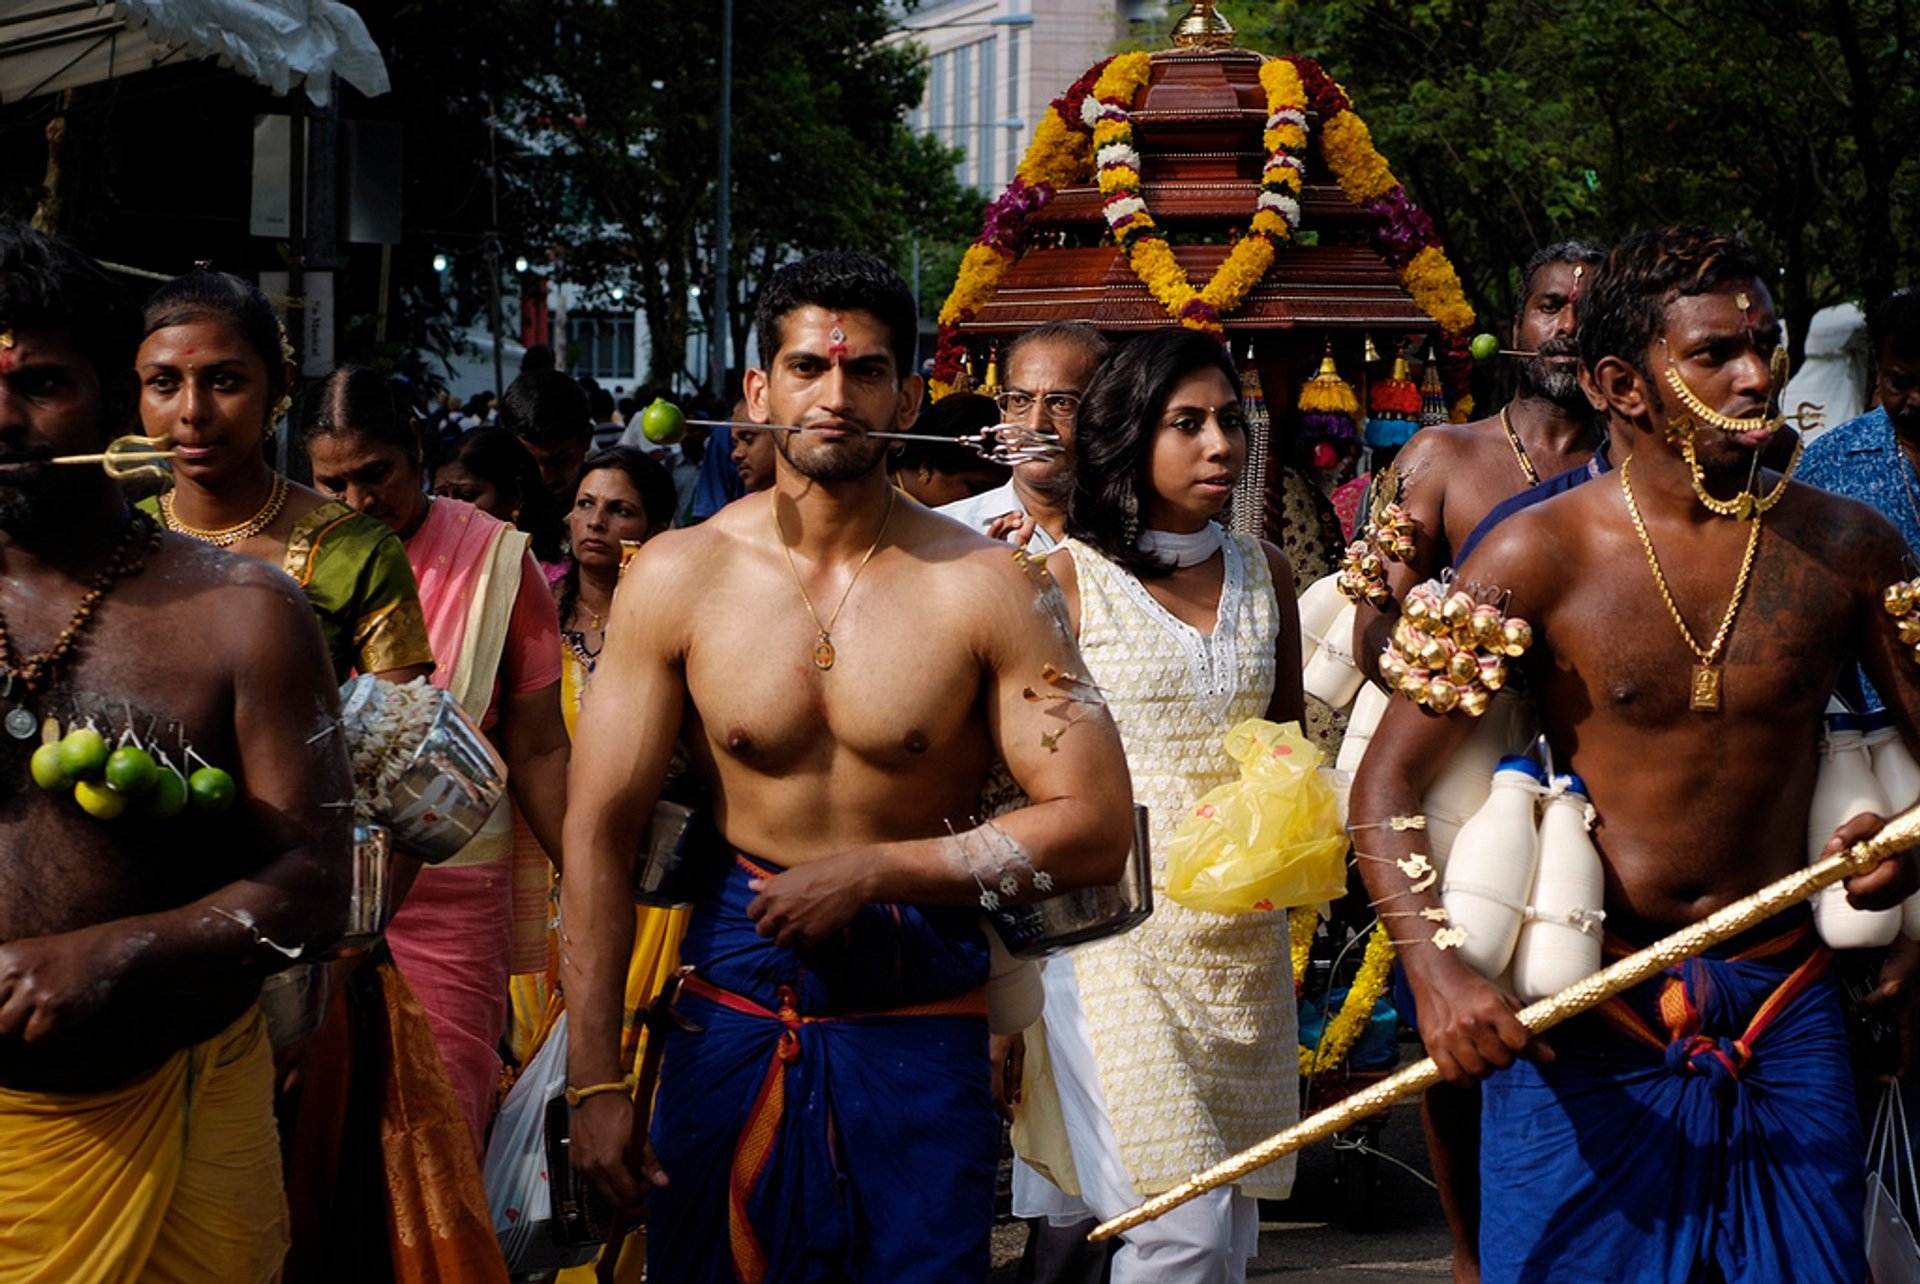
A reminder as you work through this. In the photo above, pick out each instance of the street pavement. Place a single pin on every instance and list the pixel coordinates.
(1344, 1224)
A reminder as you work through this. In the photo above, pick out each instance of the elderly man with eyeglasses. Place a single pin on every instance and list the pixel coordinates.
(1047, 369)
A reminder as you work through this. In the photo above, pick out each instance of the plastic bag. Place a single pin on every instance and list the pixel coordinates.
(519, 1191)
(1267, 841)
(1892, 1255)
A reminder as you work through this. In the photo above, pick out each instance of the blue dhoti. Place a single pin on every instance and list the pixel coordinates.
(835, 1118)
(1703, 1121)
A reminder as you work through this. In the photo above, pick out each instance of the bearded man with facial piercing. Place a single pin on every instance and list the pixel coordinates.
(1691, 614)
(1455, 476)
(841, 669)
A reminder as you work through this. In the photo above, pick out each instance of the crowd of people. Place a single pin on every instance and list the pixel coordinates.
(907, 686)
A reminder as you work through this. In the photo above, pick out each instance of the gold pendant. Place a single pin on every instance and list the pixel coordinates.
(823, 653)
(1706, 689)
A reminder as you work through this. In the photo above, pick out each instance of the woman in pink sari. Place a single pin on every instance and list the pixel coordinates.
(496, 643)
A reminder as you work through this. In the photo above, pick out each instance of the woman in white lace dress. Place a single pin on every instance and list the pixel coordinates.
(1173, 1046)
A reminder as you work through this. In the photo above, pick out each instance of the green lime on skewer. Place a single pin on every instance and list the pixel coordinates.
(211, 791)
(662, 423)
(1484, 346)
(46, 768)
(131, 770)
(83, 753)
(168, 798)
(98, 801)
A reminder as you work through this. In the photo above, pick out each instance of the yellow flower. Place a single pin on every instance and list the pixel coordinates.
(1291, 137)
(1269, 222)
(1115, 177)
(1245, 265)
(1434, 285)
(1282, 82)
(979, 278)
(1462, 410)
(1123, 78)
(1300, 925)
(938, 388)
(1348, 148)
(1058, 156)
(1343, 1030)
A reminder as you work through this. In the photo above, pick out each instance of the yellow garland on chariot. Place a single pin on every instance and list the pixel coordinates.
(1342, 1029)
(1148, 252)
(1062, 155)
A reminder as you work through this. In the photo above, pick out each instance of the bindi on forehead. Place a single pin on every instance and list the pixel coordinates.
(837, 338)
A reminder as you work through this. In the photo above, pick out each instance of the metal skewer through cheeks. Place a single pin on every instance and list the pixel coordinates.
(1897, 835)
(126, 457)
(1001, 444)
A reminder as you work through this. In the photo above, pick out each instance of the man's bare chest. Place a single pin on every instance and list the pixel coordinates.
(902, 685)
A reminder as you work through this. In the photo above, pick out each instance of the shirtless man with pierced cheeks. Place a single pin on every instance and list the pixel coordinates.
(132, 949)
(842, 667)
(1694, 1129)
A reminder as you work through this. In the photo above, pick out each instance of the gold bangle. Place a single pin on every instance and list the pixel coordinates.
(577, 1095)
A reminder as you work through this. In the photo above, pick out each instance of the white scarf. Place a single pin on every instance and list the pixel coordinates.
(1183, 549)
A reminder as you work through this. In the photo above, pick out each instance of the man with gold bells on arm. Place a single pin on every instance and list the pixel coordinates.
(1691, 620)
(842, 669)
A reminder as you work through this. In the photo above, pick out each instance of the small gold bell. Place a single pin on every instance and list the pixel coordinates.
(1910, 631)
(1414, 686)
(1392, 667)
(1442, 695)
(1488, 634)
(1493, 672)
(1463, 667)
(1457, 610)
(1417, 610)
(1434, 655)
(1898, 599)
(1474, 701)
(1518, 635)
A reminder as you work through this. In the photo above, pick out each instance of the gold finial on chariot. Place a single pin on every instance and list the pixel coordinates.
(1203, 28)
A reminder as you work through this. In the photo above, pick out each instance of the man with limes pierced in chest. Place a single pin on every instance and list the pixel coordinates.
(170, 829)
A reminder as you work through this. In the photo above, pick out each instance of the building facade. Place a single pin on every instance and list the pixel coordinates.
(994, 65)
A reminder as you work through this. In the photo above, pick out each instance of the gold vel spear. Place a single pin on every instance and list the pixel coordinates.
(1898, 834)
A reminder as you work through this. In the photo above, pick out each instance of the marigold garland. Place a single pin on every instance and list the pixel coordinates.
(1300, 924)
(1342, 1029)
(1078, 138)
(1276, 213)
(1058, 156)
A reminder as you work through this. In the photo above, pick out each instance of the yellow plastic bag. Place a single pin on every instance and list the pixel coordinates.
(1271, 839)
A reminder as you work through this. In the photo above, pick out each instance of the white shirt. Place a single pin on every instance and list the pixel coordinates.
(983, 509)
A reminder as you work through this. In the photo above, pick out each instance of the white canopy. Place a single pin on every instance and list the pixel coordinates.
(50, 45)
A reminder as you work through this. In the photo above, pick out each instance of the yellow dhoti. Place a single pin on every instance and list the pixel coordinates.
(174, 1177)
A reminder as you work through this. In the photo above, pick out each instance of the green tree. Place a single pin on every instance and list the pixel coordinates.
(1519, 122)
(614, 108)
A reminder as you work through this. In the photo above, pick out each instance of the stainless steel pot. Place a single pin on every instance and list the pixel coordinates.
(295, 1002)
(454, 782)
(1060, 922)
(665, 874)
(370, 898)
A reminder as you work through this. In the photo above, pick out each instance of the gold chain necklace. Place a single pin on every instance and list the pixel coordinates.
(228, 536)
(1705, 680)
(823, 644)
(1519, 450)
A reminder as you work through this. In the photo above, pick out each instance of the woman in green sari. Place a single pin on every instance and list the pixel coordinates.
(213, 378)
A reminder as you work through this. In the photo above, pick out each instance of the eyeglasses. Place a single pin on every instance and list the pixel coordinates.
(1060, 407)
